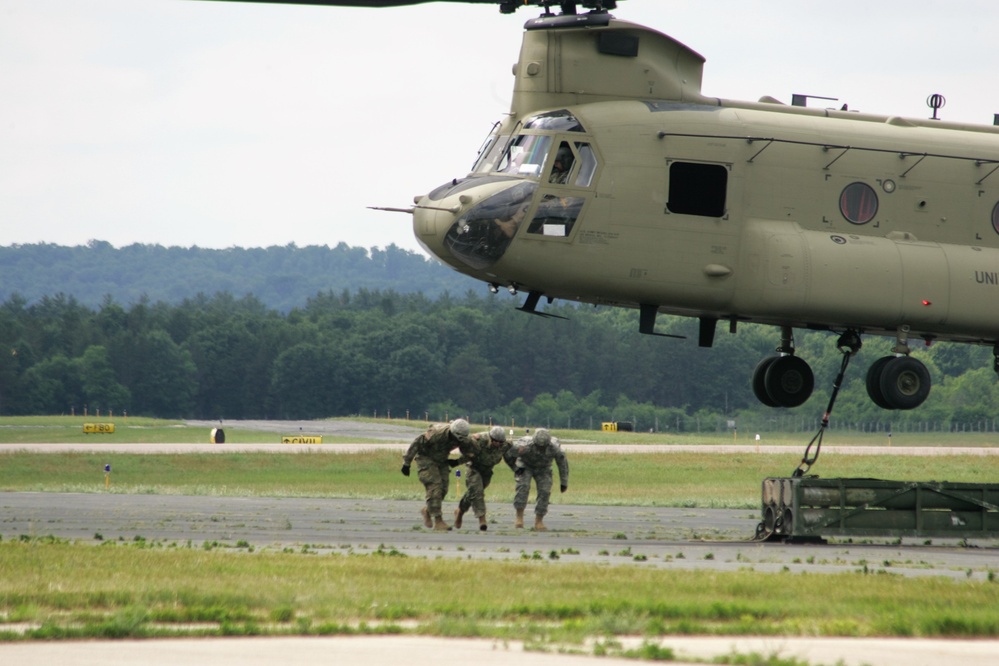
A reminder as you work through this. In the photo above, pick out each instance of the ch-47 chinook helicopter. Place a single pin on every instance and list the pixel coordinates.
(613, 181)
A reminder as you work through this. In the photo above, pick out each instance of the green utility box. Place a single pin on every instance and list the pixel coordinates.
(810, 507)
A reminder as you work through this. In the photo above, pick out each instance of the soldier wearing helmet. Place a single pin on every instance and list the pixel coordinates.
(431, 451)
(531, 458)
(490, 448)
(562, 165)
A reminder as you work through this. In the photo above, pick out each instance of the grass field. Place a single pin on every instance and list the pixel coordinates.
(69, 591)
(51, 589)
(673, 479)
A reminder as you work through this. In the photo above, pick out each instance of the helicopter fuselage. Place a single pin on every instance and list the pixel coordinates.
(626, 187)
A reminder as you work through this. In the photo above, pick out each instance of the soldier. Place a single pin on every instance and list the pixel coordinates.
(531, 457)
(489, 450)
(431, 451)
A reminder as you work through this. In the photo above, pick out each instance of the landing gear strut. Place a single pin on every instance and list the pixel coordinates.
(783, 380)
(900, 381)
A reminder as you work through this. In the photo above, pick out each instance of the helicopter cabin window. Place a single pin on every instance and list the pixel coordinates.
(858, 203)
(555, 216)
(526, 155)
(697, 189)
(995, 218)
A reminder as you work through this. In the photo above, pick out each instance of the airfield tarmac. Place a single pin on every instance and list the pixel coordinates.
(656, 537)
(650, 537)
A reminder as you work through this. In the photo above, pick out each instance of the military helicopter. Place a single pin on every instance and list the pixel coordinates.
(613, 181)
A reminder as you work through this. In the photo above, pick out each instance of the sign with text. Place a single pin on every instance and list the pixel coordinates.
(301, 439)
(97, 428)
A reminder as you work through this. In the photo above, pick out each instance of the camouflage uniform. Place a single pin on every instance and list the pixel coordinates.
(431, 451)
(489, 451)
(532, 457)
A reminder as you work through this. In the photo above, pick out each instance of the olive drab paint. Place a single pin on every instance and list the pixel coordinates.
(723, 210)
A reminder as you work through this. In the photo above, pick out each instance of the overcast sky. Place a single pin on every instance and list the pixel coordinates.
(221, 124)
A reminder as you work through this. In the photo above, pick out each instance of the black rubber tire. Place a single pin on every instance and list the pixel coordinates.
(905, 382)
(789, 381)
(759, 381)
(874, 374)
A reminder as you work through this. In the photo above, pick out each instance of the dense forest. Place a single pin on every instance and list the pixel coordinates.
(380, 352)
(281, 277)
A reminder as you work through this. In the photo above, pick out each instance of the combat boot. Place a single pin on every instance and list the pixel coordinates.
(458, 514)
(519, 522)
(482, 523)
(426, 517)
(539, 525)
(440, 525)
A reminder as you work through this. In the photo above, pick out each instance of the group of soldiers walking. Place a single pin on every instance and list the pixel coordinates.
(530, 457)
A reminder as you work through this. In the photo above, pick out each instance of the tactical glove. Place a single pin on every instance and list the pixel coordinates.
(564, 488)
(405, 470)
(518, 472)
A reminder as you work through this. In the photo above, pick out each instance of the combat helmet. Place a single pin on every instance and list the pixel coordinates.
(497, 433)
(460, 427)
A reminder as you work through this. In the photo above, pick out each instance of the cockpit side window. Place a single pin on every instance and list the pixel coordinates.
(562, 165)
(587, 165)
(556, 216)
(526, 155)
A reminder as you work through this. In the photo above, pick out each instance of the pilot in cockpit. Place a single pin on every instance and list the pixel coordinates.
(561, 166)
(508, 226)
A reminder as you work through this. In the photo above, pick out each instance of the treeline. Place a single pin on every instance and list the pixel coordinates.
(281, 277)
(372, 352)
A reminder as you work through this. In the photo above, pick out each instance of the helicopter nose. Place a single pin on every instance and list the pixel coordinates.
(472, 225)
(431, 222)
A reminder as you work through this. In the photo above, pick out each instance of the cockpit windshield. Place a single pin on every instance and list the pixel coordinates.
(525, 156)
(480, 236)
(490, 152)
(554, 121)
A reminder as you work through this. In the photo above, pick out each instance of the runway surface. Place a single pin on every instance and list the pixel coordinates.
(660, 537)
(690, 539)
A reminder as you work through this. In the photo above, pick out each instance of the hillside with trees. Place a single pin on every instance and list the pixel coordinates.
(376, 351)
(280, 277)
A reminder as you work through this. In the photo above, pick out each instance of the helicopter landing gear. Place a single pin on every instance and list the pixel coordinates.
(783, 380)
(900, 381)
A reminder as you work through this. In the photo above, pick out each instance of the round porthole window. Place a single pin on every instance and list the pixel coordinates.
(995, 218)
(859, 203)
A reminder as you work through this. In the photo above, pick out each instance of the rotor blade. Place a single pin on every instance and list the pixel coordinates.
(373, 3)
(506, 6)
